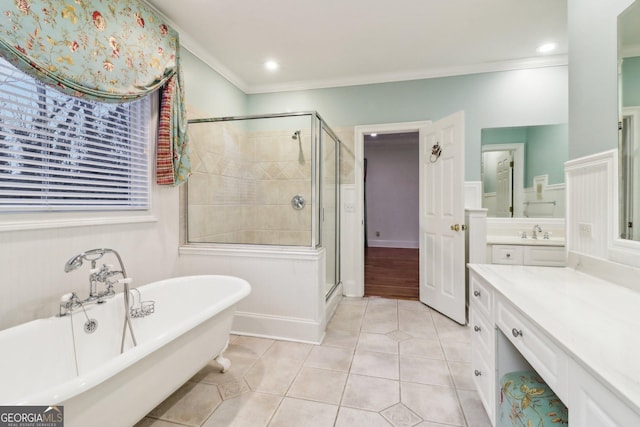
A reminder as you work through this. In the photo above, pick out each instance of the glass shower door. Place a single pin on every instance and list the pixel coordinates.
(329, 212)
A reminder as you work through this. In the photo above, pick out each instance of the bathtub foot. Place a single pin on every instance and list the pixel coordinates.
(224, 363)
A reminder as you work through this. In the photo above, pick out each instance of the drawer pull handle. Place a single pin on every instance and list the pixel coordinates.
(516, 332)
(477, 373)
(476, 293)
(477, 328)
(508, 255)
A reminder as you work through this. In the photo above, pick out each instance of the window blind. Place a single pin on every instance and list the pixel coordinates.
(59, 152)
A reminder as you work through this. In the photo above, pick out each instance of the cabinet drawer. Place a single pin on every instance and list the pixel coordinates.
(483, 334)
(483, 372)
(507, 254)
(543, 355)
(552, 256)
(481, 296)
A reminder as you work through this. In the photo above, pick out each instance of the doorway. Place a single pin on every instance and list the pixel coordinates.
(391, 203)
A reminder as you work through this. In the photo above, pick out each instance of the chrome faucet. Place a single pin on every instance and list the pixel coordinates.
(105, 274)
(536, 229)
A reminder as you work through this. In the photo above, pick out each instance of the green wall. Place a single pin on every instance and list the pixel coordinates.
(207, 92)
(499, 99)
(631, 82)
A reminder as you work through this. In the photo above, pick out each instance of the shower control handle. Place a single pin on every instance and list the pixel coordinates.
(298, 202)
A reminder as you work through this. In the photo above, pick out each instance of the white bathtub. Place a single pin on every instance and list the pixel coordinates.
(53, 361)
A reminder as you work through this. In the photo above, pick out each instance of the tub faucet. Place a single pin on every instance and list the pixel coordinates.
(536, 229)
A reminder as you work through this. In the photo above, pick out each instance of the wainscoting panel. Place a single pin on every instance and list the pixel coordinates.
(591, 210)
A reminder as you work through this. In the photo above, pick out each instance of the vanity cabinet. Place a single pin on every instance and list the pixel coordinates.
(549, 256)
(483, 342)
(557, 321)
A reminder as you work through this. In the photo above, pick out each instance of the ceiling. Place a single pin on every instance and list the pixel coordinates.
(349, 42)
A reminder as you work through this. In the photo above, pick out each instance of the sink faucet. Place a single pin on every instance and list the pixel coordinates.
(536, 229)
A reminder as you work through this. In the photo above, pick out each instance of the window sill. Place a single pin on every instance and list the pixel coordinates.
(44, 223)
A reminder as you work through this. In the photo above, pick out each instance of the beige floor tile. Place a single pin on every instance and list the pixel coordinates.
(191, 404)
(320, 385)
(341, 338)
(272, 375)
(417, 324)
(354, 301)
(412, 305)
(345, 322)
(247, 410)
(296, 412)
(455, 332)
(380, 343)
(369, 393)
(457, 351)
(350, 417)
(430, 424)
(151, 422)
(433, 403)
(425, 371)
(473, 409)
(380, 320)
(461, 373)
(283, 350)
(248, 347)
(401, 416)
(334, 358)
(381, 365)
(423, 347)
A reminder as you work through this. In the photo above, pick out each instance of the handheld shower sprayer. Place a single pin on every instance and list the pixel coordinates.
(296, 136)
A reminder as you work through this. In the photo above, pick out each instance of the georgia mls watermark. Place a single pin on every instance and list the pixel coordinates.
(31, 416)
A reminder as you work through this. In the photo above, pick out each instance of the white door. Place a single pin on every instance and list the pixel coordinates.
(442, 237)
(504, 185)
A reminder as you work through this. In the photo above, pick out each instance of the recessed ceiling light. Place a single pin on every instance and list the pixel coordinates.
(547, 47)
(271, 65)
(373, 134)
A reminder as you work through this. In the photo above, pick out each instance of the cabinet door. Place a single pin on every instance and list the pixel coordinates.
(593, 405)
(551, 256)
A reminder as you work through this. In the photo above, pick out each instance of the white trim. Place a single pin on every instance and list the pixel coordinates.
(405, 244)
(356, 288)
(518, 173)
(42, 224)
(202, 53)
(473, 194)
(520, 64)
(251, 251)
(277, 327)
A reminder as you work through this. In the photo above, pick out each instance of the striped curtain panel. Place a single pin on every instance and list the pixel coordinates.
(108, 51)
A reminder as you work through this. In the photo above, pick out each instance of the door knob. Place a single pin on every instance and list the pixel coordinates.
(455, 227)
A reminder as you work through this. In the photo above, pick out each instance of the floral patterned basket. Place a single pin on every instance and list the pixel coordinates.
(527, 401)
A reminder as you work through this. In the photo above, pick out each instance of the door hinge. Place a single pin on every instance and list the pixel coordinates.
(511, 163)
(511, 209)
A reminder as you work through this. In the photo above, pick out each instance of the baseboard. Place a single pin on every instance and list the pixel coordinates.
(402, 244)
(276, 327)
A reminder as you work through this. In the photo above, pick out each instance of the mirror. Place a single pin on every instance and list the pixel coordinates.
(629, 122)
(523, 171)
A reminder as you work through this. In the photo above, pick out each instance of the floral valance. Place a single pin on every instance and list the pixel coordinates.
(105, 50)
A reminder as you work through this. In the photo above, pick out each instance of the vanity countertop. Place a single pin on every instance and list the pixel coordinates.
(595, 321)
(515, 240)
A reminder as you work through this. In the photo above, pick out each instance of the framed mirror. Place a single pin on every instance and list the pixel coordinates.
(629, 122)
(523, 171)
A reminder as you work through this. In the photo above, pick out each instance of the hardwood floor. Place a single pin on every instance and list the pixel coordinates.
(391, 273)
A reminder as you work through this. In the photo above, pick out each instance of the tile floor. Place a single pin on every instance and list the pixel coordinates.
(383, 362)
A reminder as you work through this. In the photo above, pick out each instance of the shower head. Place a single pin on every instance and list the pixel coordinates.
(91, 255)
(296, 135)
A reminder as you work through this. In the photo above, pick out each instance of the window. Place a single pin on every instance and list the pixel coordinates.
(62, 153)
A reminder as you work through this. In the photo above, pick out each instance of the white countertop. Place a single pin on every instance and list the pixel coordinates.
(596, 322)
(514, 240)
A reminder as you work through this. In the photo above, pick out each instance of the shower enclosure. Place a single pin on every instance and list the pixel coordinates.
(270, 180)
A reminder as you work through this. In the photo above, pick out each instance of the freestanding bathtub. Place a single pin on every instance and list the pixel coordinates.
(55, 362)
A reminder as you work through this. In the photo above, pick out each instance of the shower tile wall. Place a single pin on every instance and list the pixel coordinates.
(242, 185)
